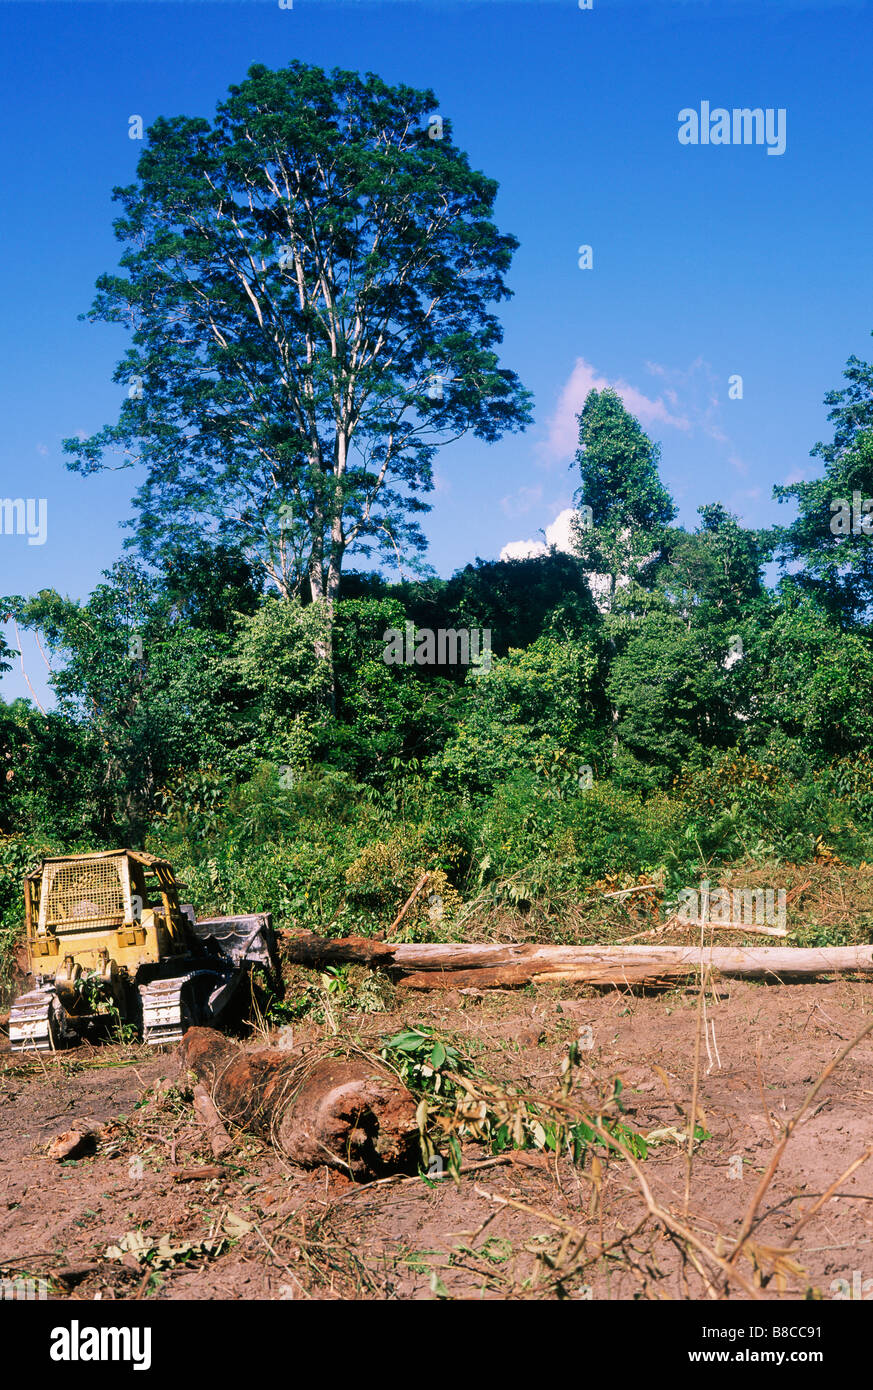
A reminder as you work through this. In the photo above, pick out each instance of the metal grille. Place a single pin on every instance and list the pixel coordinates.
(92, 894)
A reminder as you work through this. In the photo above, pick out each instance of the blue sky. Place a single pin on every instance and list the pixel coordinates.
(708, 261)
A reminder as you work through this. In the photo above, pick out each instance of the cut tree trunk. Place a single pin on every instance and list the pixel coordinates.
(442, 965)
(219, 1140)
(349, 1113)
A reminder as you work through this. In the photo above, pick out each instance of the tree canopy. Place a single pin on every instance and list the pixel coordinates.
(836, 562)
(307, 288)
(628, 507)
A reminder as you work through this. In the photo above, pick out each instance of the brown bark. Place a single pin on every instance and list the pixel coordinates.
(349, 1113)
(515, 976)
(220, 1141)
(442, 965)
(73, 1143)
(304, 948)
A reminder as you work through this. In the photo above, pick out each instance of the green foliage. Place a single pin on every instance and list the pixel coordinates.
(424, 1062)
(806, 680)
(836, 567)
(458, 1101)
(144, 691)
(298, 272)
(533, 707)
(264, 746)
(387, 716)
(331, 992)
(629, 507)
(276, 659)
(713, 576)
(667, 696)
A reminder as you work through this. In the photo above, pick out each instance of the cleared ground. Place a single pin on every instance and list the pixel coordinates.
(577, 1231)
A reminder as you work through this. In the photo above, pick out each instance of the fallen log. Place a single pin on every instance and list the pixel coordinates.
(219, 1140)
(305, 948)
(451, 965)
(349, 1113)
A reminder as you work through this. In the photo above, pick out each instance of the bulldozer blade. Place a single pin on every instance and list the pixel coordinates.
(246, 940)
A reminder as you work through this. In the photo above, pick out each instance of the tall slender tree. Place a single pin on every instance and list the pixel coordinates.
(625, 508)
(308, 282)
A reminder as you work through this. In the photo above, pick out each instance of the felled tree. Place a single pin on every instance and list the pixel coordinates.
(307, 289)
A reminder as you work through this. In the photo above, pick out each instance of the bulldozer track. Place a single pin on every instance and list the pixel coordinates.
(30, 1022)
(166, 1012)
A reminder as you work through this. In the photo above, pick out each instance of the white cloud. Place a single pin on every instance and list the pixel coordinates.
(689, 399)
(517, 503)
(563, 427)
(558, 534)
(523, 550)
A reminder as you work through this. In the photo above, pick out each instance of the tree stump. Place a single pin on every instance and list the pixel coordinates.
(348, 1113)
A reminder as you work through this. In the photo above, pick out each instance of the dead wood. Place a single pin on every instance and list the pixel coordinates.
(451, 965)
(219, 1140)
(350, 1113)
(75, 1143)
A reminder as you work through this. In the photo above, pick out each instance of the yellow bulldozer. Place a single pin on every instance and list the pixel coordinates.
(108, 941)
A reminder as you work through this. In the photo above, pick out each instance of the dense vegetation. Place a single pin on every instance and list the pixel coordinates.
(659, 700)
(719, 718)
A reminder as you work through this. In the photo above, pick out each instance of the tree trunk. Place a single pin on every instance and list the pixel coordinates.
(324, 650)
(349, 1113)
(453, 966)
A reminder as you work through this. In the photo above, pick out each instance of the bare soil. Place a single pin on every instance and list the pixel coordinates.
(559, 1232)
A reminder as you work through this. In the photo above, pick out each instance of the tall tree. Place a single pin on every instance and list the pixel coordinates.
(625, 528)
(307, 288)
(833, 541)
(713, 575)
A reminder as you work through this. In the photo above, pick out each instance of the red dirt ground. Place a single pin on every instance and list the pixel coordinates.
(287, 1233)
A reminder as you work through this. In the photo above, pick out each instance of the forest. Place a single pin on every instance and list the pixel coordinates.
(651, 733)
(311, 318)
(653, 706)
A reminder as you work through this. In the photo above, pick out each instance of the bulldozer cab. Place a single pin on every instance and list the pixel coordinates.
(123, 902)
